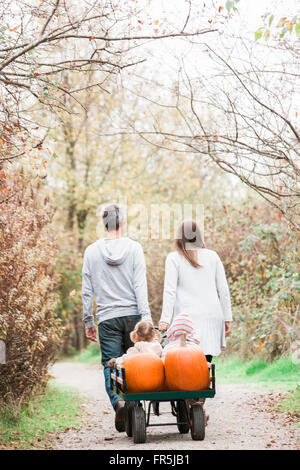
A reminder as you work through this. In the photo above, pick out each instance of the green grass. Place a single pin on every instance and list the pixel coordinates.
(291, 404)
(282, 373)
(57, 410)
(91, 355)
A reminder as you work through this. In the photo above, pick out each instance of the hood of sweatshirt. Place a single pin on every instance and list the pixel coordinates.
(114, 251)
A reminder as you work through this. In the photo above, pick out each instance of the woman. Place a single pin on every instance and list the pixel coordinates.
(195, 283)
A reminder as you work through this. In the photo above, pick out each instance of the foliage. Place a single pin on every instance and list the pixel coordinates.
(284, 25)
(69, 306)
(28, 324)
(265, 288)
(56, 410)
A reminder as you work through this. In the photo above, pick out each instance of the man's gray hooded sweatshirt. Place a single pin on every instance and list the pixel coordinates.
(114, 271)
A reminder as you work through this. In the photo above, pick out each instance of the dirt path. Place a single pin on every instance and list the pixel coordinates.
(238, 419)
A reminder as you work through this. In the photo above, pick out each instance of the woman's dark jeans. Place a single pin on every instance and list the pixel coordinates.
(114, 342)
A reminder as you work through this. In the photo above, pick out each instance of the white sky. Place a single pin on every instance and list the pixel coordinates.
(160, 54)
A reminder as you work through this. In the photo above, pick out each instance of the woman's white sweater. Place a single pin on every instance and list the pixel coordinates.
(202, 292)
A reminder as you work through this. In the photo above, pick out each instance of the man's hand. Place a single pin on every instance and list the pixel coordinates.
(163, 326)
(111, 363)
(91, 333)
(227, 328)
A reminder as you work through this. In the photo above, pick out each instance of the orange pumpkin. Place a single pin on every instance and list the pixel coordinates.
(164, 387)
(144, 373)
(186, 368)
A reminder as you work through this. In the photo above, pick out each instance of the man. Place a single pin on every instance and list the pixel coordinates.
(114, 272)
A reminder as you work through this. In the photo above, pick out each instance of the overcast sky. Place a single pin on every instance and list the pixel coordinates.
(161, 55)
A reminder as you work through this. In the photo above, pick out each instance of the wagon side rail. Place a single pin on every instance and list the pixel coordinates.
(119, 386)
(118, 380)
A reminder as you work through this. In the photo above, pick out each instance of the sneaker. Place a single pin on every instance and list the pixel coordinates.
(120, 416)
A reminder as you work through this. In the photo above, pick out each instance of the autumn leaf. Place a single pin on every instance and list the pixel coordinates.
(44, 162)
(281, 22)
(7, 128)
(156, 22)
(15, 28)
(156, 30)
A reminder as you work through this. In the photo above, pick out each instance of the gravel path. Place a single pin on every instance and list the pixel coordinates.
(240, 418)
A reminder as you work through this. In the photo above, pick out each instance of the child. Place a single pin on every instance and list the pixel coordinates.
(182, 324)
(146, 340)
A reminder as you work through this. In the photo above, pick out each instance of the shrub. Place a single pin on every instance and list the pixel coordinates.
(28, 324)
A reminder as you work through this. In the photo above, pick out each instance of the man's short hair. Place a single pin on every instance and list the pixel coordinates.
(112, 217)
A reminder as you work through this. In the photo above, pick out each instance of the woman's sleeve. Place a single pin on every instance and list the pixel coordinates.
(223, 290)
(170, 288)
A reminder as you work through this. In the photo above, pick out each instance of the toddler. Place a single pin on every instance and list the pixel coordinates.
(146, 340)
(182, 324)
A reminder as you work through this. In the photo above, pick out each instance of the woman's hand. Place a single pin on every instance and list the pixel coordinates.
(163, 326)
(227, 328)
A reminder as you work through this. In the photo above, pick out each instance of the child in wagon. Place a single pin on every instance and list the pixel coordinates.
(182, 324)
(146, 340)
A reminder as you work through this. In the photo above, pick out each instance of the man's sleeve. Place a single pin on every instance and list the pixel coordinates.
(140, 284)
(87, 294)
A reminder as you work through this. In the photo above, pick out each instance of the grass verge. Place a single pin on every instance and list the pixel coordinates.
(282, 373)
(55, 411)
(91, 355)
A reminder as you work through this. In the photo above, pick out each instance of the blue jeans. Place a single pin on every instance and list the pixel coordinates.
(114, 342)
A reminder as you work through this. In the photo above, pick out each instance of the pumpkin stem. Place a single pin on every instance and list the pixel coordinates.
(183, 340)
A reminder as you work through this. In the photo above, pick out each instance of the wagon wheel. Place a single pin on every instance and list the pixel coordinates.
(182, 417)
(138, 425)
(128, 418)
(197, 422)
